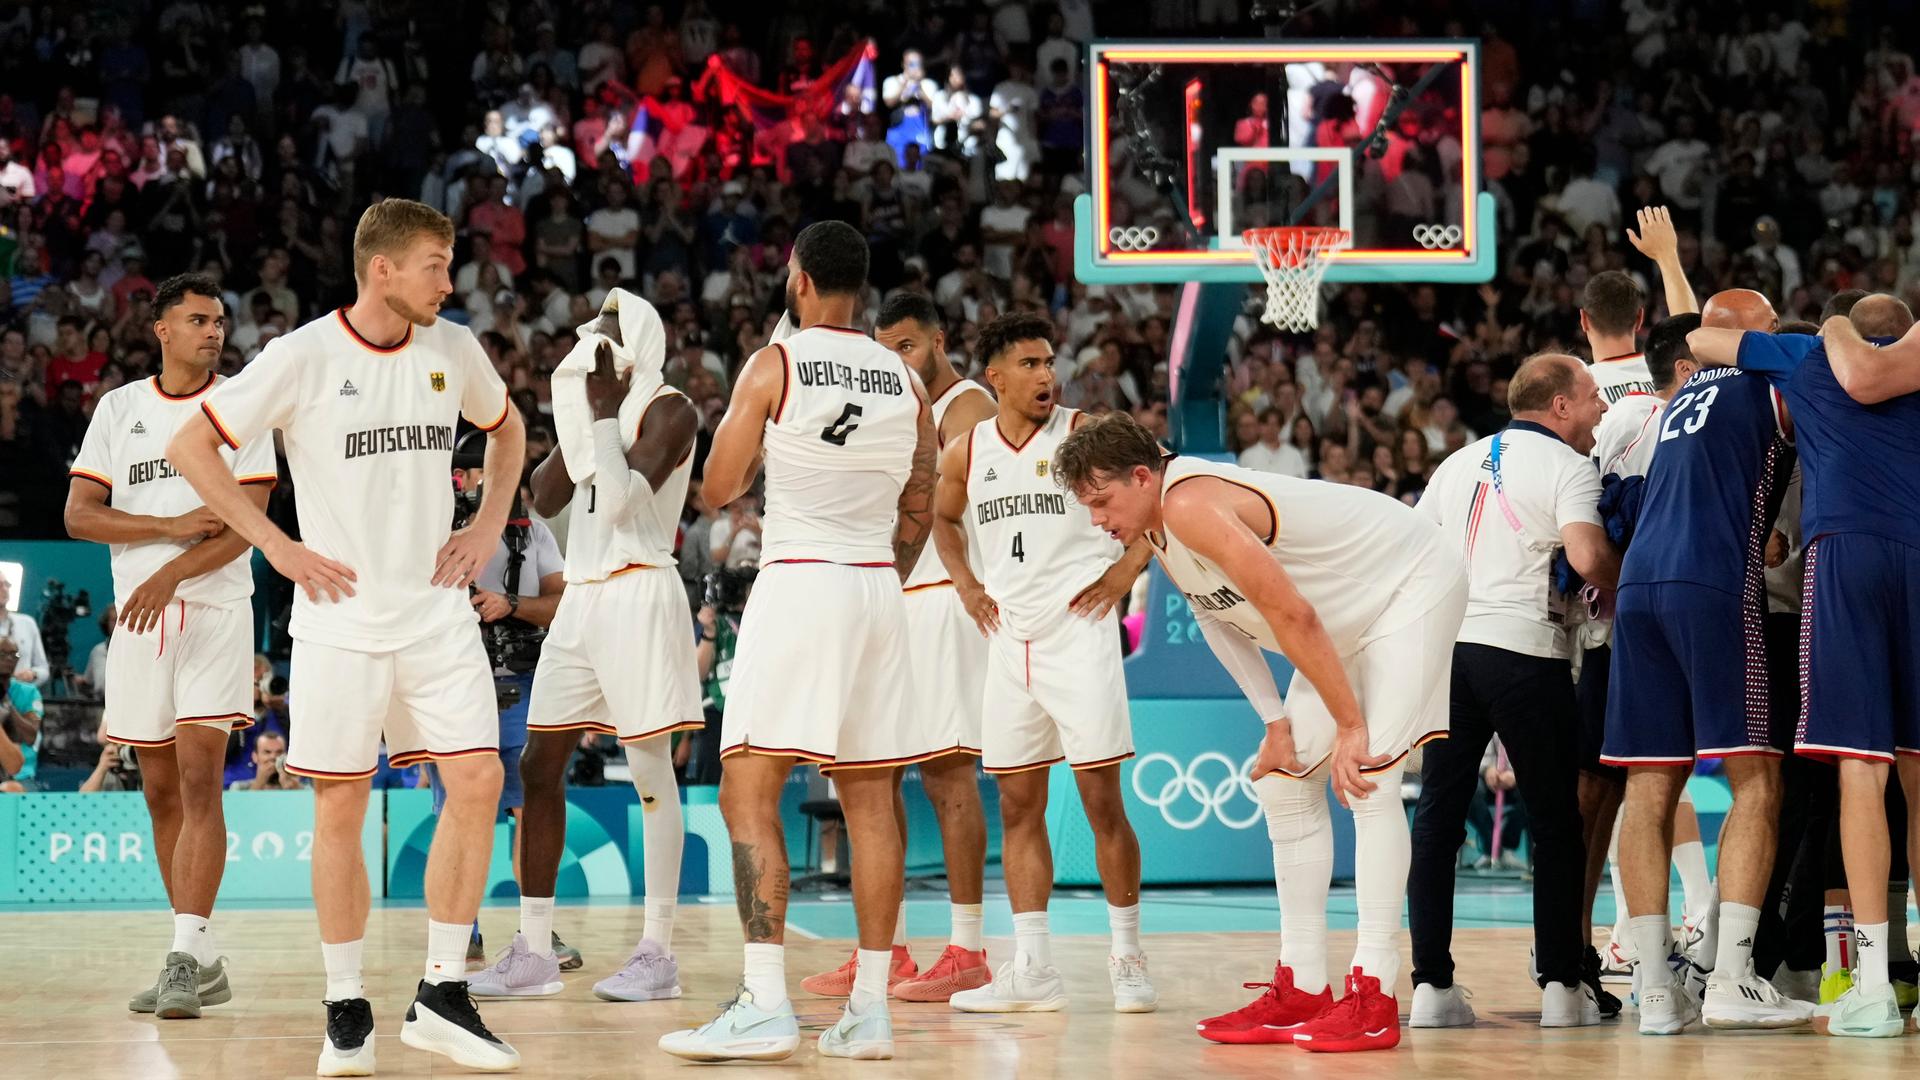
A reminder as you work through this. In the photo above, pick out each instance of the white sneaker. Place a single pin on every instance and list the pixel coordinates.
(1666, 1006)
(1616, 961)
(348, 1047)
(1437, 1008)
(866, 1036)
(1749, 1001)
(742, 1032)
(1132, 993)
(1702, 938)
(442, 1020)
(1016, 987)
(1564, 1006)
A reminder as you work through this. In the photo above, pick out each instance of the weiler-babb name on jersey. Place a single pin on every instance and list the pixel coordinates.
(403, 437)
(864, 380)
(143, 471)
(1030, 502)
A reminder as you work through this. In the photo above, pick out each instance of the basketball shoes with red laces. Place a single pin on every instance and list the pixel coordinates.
(1272, 1017)
(1365, 1019)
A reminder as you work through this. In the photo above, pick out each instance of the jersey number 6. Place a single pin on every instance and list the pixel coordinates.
(837, 432)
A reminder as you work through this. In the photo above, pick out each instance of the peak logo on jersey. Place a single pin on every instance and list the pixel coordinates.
(347, 389)
(439, 381)
(991, 475)
(139, 428)
(1040, 467)
(398, 439)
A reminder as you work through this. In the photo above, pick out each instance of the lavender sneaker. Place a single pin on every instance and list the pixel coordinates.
(518, 973)
(650, 975)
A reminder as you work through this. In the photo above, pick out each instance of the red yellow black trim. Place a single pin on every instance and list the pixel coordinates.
(577, 725)
(415, 757)
(239, 721)
(139, 744)
(322, 774)
(219, 428)
(628, 569)
(506, 407)
(929, 585)
(838, 329)
(1402, 756)
(776, 751)
(384, 350)
(1006, 441)
(1008, 770)
(684, 725)
(95, 477)
(786, 381)
(1083, 766)
(894, 763)
(263, 479)
(188, 396)
(1273, 530)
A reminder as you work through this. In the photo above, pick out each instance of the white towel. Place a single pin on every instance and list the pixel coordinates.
(643, 351)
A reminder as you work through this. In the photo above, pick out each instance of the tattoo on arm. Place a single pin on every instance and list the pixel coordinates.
(916, 502)
(757, 915)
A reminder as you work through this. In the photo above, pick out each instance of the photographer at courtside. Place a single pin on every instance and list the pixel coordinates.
(516, 596)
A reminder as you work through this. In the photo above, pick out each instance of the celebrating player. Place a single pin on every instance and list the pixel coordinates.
(822, 671)
(384, 638)
(179, 671)
(1054, 689)
(619, 657)
(949, 659)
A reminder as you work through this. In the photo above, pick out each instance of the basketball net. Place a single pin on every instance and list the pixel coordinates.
(1294, 259)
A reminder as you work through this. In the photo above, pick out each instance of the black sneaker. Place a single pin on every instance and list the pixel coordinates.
(443, 1020)
(349, 1046)
(1590, 976)
(569, 957)
(476, 953)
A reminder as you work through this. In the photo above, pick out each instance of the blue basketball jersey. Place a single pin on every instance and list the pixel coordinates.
(1719, 468)
(1861, 463)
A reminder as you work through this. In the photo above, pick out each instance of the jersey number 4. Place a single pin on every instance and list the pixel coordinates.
(1019, 550)
(1701, 403)
(837, 432)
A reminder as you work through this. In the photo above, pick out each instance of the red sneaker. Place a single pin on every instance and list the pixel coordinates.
(957, 969)
(1365, 1019)
(839, 981)
(1272, 1017)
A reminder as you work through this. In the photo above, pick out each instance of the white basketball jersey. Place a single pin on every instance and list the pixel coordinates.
(930, 570)
(839, 448)
(1618, 376)
(600, 545)
(1038, 546)
(1369, 564)
(125, 451)
(1623, 443)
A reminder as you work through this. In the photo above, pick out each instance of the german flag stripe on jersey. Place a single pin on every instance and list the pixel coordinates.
(684, 725)
(93, 476)
(786, 381)
(264, 478)
(890, 763)
(506, 406)
(322, 774)
(239, 721)
(219, 427)
(415, 757)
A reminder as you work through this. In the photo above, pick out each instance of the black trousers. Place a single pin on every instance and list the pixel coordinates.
(1528, 701)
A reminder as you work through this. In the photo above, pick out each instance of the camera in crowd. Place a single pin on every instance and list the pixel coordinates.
(57, 612)
(727, 589)
(512, 644)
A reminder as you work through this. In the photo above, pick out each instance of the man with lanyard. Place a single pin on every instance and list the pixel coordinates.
(1512, 501)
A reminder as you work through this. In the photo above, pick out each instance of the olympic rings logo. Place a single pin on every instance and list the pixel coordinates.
(1203, 788)
(1130, 238)
(1433, 237)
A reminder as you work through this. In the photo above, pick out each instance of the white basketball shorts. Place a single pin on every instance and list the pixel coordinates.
(949, 668)
(196, 667)
(1058, 697)
(1403, 680)
(821, 671)
(618, 659)
(432, 700)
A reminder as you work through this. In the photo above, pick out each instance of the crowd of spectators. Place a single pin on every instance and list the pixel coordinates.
(678, 149)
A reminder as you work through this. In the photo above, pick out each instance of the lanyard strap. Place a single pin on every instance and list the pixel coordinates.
(1500, 491)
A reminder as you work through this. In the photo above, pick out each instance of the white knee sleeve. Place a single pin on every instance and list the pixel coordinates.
(1301, 829)
(651, 763)
(1383, 850)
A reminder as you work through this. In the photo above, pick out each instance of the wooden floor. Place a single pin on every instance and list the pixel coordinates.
(67, 976)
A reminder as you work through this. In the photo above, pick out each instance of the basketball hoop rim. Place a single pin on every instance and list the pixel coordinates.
(1293, 245)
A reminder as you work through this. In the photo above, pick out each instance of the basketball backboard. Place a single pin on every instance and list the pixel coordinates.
(1190, 143)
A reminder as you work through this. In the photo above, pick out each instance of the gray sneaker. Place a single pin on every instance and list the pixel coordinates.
(214, 989)
(177, 995)
(649, 975)
(569, 957)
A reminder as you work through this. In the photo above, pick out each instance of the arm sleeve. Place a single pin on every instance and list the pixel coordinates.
(262, 397)
(1773, 354)
(1245, 662)
(95, 460)
(1577, 497)
(255, 463)
(618, 487)
(483, 397)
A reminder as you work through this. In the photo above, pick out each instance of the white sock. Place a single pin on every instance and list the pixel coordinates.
(1619, 887)
(1652, 941)
(966, 925)
(1030, 938)
(1382, 855)
(659, 929)
(900, 927)
(1898, 951)
(536, 923)
(447, 951)
(1301, 829)
(1871, 939)
(766, 974)
(191, 936)
(870, 979)
(343, 970)
(1124, 922)
(1690, 861)
(1707, 921)
(1734, 951)
(1838, 924)
(663, 832)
